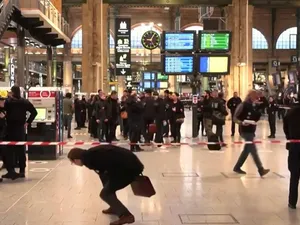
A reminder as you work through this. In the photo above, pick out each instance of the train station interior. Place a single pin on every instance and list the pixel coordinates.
(53, 47)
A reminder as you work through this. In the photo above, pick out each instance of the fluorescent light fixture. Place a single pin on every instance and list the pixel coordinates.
(151, 24)
(159, 24)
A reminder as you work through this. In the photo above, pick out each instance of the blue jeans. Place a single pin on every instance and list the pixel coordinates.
(249, 149)
(68, 122)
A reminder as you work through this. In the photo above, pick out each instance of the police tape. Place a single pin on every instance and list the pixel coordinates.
(96, 143)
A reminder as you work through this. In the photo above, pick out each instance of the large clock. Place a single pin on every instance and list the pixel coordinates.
(150, 40)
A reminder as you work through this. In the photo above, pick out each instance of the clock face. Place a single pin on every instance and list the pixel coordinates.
(150, 40)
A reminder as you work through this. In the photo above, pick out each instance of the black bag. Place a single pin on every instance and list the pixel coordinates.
(213, 147)
(142, 186)
(218, 118)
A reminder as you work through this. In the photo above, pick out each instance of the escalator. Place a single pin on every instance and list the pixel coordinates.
(7, 10)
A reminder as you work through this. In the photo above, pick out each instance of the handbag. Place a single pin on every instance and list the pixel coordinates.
(142, 186)
(124, 115)
(218, 118)
(180, 120)
(152, 128)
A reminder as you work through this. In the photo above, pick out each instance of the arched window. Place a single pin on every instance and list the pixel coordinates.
(137, 33)
(287, 39)
(258, 40)
(196, 28)
(77, 40)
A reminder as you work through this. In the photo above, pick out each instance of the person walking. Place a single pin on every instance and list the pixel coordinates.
(246, 115)
(68, 108)
(117, 168)
(232, 104)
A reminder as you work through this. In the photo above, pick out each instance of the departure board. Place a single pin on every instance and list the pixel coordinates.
(183, 41)
(214, 64)
(178, 64)
(214, 41)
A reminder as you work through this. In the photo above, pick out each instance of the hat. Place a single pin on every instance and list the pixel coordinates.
(155, 93)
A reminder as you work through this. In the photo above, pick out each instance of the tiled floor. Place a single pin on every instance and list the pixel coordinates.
(194, 186)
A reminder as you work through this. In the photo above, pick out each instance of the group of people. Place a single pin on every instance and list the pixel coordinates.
(14, 120)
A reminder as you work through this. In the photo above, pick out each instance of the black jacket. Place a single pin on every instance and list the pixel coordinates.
(135, 110)
(200, 110)
(272, 108)
(112, 109)
(16, 111)
(207, 110)
(100, 113)
(149, 111)
(159, 108)
(233, 103)
(177, 110)
(168, 103)
(113, 160)
(291, 123)
(2, 125)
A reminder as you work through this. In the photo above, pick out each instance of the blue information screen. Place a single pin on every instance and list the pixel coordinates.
(179, 41)
(179, 64)
(149, 76)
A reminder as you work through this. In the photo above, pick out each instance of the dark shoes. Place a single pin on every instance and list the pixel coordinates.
(77, 128)
(263, 172)
(124, 220)
(108, 211)
(70, 136)
(292, 206)
(271, 136)
(11, 176)
(239, 171)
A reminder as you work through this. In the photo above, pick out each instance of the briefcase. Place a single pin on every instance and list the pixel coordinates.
(143, 187)
(152, 128)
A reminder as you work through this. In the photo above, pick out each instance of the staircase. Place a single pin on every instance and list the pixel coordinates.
(6, 14)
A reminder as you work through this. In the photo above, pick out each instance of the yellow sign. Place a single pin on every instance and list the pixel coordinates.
(3, 94)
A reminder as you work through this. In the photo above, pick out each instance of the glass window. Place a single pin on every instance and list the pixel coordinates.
(137, 33)
(196, 28)
(111, 42)
(287, 39)
(258, 40)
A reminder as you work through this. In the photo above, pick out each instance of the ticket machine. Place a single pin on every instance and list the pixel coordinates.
(48, 124)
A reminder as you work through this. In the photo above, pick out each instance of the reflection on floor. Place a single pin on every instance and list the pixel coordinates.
(194, 186)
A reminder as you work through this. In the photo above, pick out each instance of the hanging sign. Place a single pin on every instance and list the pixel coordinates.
(123, 46)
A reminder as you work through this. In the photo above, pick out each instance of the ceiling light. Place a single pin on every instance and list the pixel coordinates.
(159, 24)
(151, 24)
(166, 8)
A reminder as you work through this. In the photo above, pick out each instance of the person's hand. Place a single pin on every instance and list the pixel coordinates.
(25, 125)
(2, 115)
(174, 109)
(98, 121)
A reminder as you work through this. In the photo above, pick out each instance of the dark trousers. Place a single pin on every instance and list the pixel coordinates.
(281, 113)
(200, 123)
(294, 168)
(110, 130)
(94, 127)
(100, 130)
(249, 149)
(110, 186)
(134, 134)
(125, 127)
(232, 123)
(16, 133)
(68, 122)
(147, 135)
(82, 118)
(159, 131)
(167, 129)
(219, 132)
(78, 119)
(175, 130)
(272, 124)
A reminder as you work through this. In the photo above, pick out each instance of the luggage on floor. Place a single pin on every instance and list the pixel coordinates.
(213, 138)
(142, 186)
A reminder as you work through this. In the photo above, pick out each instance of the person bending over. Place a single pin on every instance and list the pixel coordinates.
(117, 168)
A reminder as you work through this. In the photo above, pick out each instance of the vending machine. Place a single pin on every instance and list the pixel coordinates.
(48, 124)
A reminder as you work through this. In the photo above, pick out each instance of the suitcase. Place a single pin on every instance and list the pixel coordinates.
(213, 147)
(143, 187)
(152, 128)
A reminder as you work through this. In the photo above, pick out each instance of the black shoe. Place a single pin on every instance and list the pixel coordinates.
(70, 136)
(77, 128)
(263, 172)
(84, 127)
(1, 180)
(22, 175)
(232, 135)
(292, 206)
(11, 176)
(115, 139)
(239, 171)
(271, 136)
(101, 140)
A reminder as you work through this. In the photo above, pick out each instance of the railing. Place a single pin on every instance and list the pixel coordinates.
(49, 10)
(37, 67)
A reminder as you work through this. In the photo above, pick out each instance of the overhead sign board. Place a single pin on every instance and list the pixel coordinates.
(123, 46)
(294, 59)
(275, 63)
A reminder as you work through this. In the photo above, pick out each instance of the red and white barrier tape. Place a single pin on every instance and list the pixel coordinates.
(76, 143)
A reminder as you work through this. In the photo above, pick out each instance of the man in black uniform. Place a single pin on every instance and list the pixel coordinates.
(16, 109)
(246, 115)
(271, 110)
(2, 131)
(117, 168)
(168, 103)
(149, 113)
(77, 109)
(232, 105)
(160, 117)
(291, 127)
(112, 112)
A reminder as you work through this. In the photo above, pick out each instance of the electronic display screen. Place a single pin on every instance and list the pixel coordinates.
(149, 76)
(149, 84)
(162, 77)
(214, 41)
(162, 84)
(178, 64)
(214, 64)
(292, 77)
(41, 114)
(179, 41)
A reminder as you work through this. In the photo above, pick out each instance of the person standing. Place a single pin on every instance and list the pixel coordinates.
(112, 111)
(246, 115)
(2, 132)
(207, 113)
(124, 115)
(177, 118)
(149, 114)
(77, 109)
(117, 168)
(272, 108)
(232, 104)
(200, 115)
(68, 108)
(83, 104)
(291, 127)
(168, 103)
(16, 109)
(160, 117)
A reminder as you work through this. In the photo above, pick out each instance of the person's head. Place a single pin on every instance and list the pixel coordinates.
(221, 95)
(125, 93)
(271, 99)
(102, 96)
(207, 93)
(114, 95)
(148, 93)
(175, 96)
(214, 94)
(16, 91)
(253, 95)
(166, 93)
(69, 95)
(83, 98)
(99, 92)
(235, 94)
(2, 101)
(75, 156)
(155, 95)
(201, 99)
